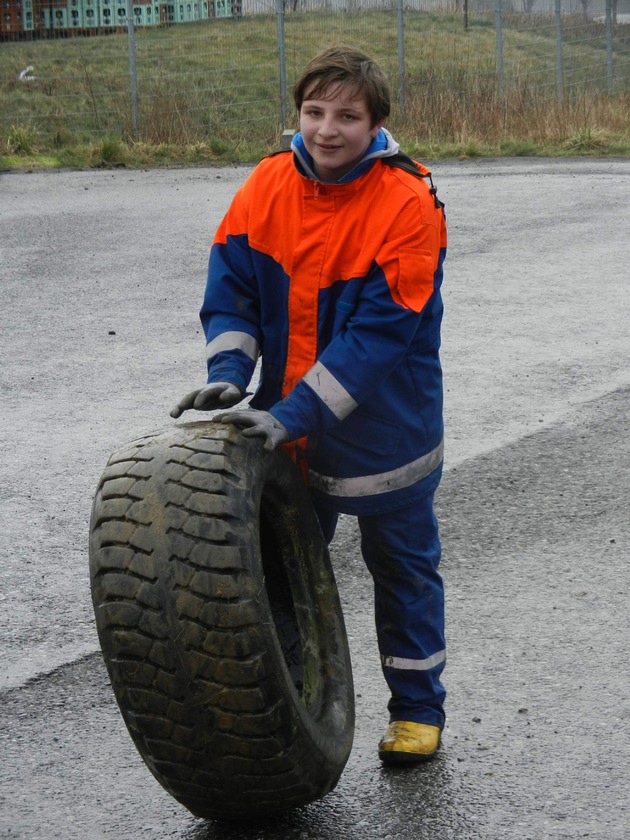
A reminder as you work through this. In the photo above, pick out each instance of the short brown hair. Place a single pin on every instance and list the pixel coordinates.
(342, 65)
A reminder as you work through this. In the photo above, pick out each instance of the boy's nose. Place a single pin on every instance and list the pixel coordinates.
(328, 128)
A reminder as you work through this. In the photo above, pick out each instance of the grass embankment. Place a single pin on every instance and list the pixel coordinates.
(208, 92)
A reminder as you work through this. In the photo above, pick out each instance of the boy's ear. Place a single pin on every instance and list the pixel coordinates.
(376, 128)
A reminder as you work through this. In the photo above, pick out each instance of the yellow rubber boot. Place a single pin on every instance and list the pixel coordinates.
(406, 742)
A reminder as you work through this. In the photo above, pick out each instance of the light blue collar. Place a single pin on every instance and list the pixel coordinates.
(383, 145)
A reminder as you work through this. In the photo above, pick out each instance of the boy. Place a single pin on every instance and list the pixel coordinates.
(329, 265)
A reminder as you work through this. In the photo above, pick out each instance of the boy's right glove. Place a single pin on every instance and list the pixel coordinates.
(215, 395)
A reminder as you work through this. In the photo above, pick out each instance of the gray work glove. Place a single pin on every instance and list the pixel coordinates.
(215, 395)
(256, 424)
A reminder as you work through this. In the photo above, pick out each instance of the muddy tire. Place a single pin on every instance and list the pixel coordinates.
(220, 623)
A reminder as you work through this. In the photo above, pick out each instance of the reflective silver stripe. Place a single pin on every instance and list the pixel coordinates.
(233, 341)
(330, 391)
(414, 664)
(371, 485)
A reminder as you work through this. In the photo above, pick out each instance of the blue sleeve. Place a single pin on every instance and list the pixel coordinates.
(360, 357)
(230, 313)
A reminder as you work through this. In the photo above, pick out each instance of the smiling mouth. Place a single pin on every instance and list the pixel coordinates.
(325, 148)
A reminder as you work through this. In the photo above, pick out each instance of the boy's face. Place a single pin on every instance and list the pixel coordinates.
(336, 130)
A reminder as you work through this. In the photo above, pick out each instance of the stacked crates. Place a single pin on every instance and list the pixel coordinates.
(75, 14)
(91, 14)
(28, 17)
(55, 15)
(81, 15)
(186, 11)
(228, 8)
(119, 13)
(84, 14)
(107, 13)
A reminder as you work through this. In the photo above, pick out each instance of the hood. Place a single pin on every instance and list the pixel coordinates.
(382, 146)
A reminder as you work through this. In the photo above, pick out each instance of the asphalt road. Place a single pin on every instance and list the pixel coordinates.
(101, 276)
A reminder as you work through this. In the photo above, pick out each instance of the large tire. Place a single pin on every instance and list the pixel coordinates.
(220, 623)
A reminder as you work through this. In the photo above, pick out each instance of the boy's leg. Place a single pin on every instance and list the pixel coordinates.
(327, 521)
(402, 552)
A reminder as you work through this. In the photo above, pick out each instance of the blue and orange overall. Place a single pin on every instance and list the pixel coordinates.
(336, 287)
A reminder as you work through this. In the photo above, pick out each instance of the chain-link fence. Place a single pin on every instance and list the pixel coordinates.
(217, 72)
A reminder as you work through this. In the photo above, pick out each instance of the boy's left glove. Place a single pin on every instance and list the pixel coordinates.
(256, 424)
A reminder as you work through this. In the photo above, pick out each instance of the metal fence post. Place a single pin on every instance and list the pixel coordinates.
(609, 44)
(559, 66)
(401, 54)
(499, 28)
(133, 77)
(284, 110)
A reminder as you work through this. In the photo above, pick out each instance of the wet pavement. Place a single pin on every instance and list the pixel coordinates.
(533, 506)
